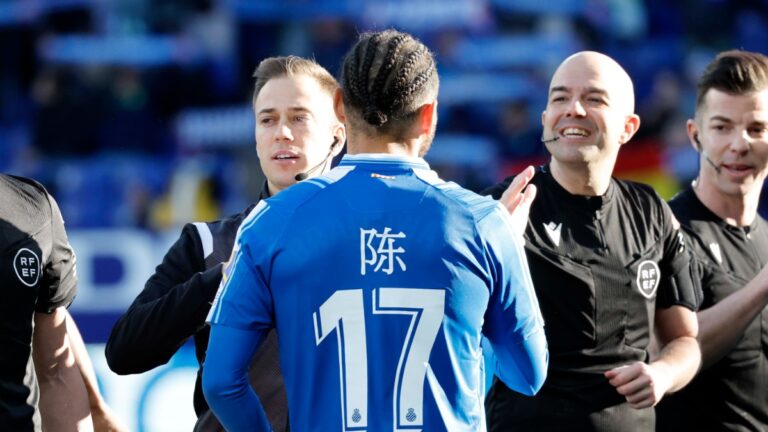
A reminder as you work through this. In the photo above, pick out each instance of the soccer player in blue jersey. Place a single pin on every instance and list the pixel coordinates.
(380, 278)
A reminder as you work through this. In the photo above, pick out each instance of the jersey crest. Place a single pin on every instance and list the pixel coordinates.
(648, 276)
(26, 263)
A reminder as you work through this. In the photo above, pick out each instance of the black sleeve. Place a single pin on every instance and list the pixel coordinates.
(498, 189)
(59, 279)
(681, 286)
(170, 309)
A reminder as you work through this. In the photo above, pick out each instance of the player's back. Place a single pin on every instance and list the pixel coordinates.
(380, 280)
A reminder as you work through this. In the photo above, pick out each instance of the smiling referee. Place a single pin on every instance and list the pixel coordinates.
(608, 265)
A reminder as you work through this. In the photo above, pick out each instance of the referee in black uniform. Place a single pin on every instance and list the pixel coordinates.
(730, 243)
(37, 275)
(609, 266)
(297, 134)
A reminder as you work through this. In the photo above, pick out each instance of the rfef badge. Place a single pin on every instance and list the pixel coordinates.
(27, 266)
(648, 276)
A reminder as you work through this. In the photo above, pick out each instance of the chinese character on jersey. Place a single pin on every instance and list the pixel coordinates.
(384, 255)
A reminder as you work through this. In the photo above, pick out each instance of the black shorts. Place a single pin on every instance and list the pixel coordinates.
(507, 410)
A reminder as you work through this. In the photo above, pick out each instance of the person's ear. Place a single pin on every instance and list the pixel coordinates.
(693, 134)
(631, 125)
(339, 138)
(427, 118)
(338, 106)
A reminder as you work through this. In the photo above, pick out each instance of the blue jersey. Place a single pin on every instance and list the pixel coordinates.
(381, 280)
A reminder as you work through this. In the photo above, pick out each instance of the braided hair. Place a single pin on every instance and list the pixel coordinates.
(386, 77)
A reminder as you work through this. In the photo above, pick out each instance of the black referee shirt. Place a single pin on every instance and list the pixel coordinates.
(37, 274)
(601, 266)
(173, 306)
(733, 393)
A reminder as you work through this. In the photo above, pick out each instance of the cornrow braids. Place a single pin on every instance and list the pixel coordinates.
(370, 53)
(386, 77)
(414, 87)
(390, 59)
(353, 80)
(405, 70)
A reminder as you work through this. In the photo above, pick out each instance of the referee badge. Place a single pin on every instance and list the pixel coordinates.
(648, 276)
(27, 266)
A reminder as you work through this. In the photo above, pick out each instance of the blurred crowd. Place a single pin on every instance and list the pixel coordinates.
(136, 113)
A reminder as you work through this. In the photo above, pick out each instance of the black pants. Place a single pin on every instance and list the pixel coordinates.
(507, 411)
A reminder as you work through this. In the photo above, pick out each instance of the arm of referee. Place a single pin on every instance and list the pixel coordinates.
(171, 308)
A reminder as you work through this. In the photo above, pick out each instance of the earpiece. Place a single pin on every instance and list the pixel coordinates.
(706, 156)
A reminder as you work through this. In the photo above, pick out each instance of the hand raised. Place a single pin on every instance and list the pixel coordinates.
(518, 198)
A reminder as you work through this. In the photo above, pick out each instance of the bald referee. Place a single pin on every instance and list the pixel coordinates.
(608, 264)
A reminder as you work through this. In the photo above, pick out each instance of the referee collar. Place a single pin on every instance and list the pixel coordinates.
(264, 194)
(703, 212)
(577, 202)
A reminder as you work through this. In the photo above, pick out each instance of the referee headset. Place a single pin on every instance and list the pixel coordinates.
(305, 175)
(703, 153)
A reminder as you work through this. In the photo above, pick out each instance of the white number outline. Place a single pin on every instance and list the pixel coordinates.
(343, 312)
(340, 312)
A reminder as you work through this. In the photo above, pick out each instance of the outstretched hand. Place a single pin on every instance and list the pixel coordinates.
(518, 198)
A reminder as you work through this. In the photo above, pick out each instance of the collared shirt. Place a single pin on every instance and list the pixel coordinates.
(732, 394)
(37, 274)
(172, 307)
(601, 266)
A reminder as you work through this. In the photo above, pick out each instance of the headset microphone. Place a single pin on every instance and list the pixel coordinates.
(717, 168)
(305, 175)
(703, 153)
(547, 141)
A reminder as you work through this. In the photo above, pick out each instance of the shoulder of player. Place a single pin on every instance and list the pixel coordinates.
(640, 195)
(645, 206)
(30, 189)
(760, 230)
(20, 192)
(196, 237)
(224, 225)
(633, 188)
(682, 205)
(475, 205)
(274, 213)
(762, 224)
